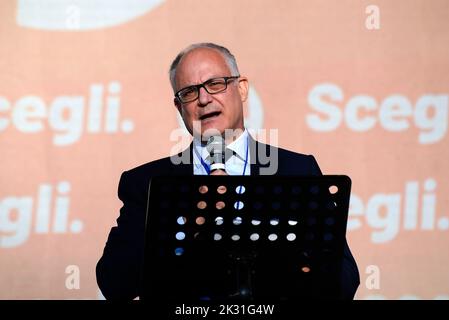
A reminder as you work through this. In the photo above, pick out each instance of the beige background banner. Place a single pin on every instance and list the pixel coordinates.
(85, 95)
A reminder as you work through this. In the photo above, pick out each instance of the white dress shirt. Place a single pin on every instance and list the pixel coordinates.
(234, 166)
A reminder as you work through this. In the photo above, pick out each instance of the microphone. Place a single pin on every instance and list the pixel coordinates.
(216, 148)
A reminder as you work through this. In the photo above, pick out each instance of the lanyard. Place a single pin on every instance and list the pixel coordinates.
(207, 167)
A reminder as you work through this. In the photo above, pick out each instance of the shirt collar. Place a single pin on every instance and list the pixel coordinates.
(239, 145)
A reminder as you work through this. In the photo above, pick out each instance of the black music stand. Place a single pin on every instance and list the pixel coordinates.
(251, 238)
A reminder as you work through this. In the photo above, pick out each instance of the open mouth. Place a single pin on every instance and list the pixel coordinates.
(210, 115)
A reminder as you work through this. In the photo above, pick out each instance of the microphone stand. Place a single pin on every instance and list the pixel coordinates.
(243, 265)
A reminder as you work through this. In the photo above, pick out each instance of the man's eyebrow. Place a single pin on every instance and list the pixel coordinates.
(189, 86)
(194, 85)
(186, 86)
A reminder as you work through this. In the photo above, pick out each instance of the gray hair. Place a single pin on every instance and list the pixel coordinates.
(228, 56)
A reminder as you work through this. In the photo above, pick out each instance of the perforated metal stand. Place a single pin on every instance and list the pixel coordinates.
(250, 238)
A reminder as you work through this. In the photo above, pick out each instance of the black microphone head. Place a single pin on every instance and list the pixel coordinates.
(215, 144)
(216, 148)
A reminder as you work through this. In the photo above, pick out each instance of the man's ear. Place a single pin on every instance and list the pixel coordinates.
(243, 88)
(178, 105)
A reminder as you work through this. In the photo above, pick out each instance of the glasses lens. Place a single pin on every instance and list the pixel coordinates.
(188, 94)
(215, 85)
(212, 86)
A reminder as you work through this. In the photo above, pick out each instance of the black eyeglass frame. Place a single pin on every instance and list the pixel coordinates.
(203, 85)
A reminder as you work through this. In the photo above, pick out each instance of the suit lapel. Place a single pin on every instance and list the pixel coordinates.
(185, 168)
(254, 160)
(258, 148)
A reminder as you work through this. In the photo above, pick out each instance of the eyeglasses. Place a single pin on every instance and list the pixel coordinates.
(212, 86)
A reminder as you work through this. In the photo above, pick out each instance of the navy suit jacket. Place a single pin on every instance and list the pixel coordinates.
(119, 269)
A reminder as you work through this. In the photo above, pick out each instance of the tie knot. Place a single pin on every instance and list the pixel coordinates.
(220, 157)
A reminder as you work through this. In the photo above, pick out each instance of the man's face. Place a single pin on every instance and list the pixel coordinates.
(218, 111)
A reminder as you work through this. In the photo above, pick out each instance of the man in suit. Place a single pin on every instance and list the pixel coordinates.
(209, 95)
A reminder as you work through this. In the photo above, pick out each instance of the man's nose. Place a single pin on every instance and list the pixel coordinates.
(204, 97)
